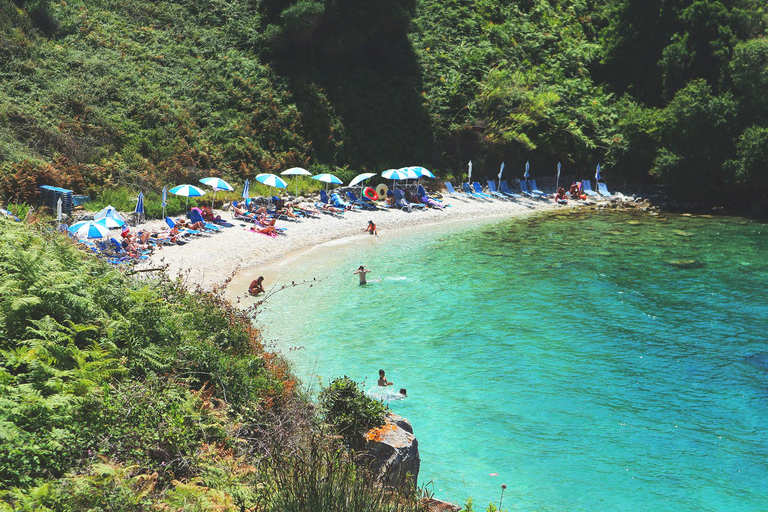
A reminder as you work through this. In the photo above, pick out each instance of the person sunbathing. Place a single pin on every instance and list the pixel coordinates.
(207, 214)
(196, 226)
(560, 197)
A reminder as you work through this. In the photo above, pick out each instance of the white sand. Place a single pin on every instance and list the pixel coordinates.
(212, 260)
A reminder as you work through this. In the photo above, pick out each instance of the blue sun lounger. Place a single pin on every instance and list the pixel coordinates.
(194, 216)
(526, 192)
(504, 186)
(586, 187)
(451, 191)
(423, 193)
(467, 190)
(478, 189)
(533, 188)
(494, 192)
(603, 190)
(363, 203)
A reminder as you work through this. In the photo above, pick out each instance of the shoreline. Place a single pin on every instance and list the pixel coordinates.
(232, 256)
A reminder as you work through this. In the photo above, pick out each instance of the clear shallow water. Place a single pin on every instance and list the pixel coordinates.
(572, 354)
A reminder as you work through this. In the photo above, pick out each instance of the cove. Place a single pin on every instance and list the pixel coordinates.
(587, 360)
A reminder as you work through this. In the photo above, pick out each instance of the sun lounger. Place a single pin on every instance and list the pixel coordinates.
(171, 224)
(454, 193)
(195, 216)
(401, 202)
(467, 190)
(586, 187)
(478, 189)
(603, 190)
(526, 192)
(504, 186)
(495, 193)
(533, 188)
(365, 203)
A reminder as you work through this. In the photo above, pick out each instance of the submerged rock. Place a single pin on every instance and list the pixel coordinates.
(686, 263)
(394, 452)
(680, 232)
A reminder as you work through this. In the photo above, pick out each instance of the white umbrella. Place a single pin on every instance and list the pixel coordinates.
(187, 191)
(216, 184)
(469, 178)
(360, 178)
(327, 178)
(271, 180)
(58, 210)
(558, 175)
(501, 170)
(527, 174)
(109, 211)
(296, 171)
(88, 229)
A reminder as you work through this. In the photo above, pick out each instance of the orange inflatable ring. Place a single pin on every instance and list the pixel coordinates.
(371, 194)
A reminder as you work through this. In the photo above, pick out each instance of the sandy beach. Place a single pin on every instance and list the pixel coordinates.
(238, 253)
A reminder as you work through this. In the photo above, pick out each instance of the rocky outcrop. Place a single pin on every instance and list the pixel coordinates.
(394, 452)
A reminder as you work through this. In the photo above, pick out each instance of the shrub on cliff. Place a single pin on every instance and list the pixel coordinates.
(350, 411)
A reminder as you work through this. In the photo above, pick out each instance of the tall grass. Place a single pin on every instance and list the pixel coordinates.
(321, 476)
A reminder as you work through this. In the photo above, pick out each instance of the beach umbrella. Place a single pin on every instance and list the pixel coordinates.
(558, 176)
(469, 178)
(327, 178)
(271, 180)
(58, 210)
(187, 191)
(361, 178)
(89, 229)
(108, 211)
(501, 170)
(597, 174)
(296, 171)
(139, 205)
(394, 175)
(216, 184)
(246, 189)
(165, 199)
(527, 168)
(109, 222)
(423, 173)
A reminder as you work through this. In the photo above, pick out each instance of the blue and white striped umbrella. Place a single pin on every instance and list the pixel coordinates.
(89, 229)
(139, 204)
(327, 178)
(187, 191)
(217, 184)
(527, 167)
(246, 189)
(410, 173)
(422, 172)
(271, 180)
(597, 173)
(395, 174)
(110, 222)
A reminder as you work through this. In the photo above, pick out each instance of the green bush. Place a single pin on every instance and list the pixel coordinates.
(351, 412)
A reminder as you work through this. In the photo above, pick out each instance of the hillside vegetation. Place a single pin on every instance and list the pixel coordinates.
(96, 93)
(127, 393)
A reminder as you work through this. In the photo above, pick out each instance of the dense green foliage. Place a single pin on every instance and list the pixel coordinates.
(95, 93)
(350, 411)
(128, 394)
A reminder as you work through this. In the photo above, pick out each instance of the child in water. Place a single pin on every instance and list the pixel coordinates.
(383, 379)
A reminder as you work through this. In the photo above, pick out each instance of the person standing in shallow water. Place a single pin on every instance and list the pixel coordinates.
(383, 379)
(361, 271)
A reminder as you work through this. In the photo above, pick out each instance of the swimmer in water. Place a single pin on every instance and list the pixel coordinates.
(361, 271)
(403, 392)
(383, 379)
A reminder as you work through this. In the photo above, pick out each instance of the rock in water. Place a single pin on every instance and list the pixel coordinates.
(395, 453)
(686, 263)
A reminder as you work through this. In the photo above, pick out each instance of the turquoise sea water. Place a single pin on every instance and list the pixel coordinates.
(594, 361)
